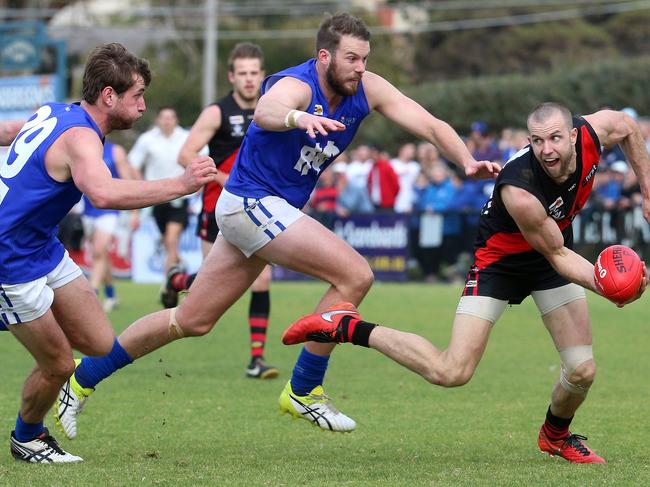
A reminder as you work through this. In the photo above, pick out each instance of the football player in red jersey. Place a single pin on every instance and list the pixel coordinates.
(221, 126)
(523, 248)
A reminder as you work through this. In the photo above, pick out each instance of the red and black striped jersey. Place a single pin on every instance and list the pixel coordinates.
(225, 143)
(500, 245)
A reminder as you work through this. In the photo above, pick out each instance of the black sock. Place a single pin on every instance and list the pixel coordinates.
(356, 331)
(556, 428)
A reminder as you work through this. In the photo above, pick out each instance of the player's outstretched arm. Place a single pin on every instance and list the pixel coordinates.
(202, 131)
(410, 115)
(613, 128)
(542, 234)
(82, 150)
(281, 108)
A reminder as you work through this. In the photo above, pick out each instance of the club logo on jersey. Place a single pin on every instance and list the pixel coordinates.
(588, 177)
(556, 210)
(318, 109)
(237, 124)
(315, 157)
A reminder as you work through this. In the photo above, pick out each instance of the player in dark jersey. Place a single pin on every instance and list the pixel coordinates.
(221, 126)
(45, 301)
(523, 248)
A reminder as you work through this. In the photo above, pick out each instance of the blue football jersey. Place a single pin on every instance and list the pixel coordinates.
(32, 203)
(89, 209)
(287, 164)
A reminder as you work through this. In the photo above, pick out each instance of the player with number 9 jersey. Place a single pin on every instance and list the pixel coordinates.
(45, 301)
(31, 201)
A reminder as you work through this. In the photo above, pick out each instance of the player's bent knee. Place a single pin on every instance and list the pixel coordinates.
(361, 279)
(367, 278)
(578, 369)
(584, 374)
(194, 326)
(174, 329)
(60, 370)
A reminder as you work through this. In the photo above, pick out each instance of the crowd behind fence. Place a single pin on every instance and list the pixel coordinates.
(414, 216)
(441, 206)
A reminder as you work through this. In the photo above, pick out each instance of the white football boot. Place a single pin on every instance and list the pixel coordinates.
(42, 449)
(316, 408)
(71, 400)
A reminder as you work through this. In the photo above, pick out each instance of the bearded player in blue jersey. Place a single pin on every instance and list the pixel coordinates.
(45, 301)
(307, 115)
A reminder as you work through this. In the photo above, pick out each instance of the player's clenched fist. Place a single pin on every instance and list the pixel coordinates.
(200, 172)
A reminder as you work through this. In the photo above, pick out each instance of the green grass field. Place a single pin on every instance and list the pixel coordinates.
(186, 416)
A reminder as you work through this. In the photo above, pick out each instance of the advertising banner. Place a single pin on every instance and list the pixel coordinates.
(381, 238)
(21, 96)
(148, 254)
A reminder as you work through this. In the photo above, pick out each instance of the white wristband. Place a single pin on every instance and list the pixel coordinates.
(291, 120)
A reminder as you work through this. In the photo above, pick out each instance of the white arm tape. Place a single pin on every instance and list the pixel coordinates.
(291, 120)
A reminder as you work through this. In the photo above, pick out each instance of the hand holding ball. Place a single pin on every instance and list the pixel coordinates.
(619, 273)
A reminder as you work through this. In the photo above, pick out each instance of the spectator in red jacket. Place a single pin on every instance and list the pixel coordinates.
(383, 183)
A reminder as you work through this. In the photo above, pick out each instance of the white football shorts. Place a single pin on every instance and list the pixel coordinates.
(20, 303)
(250, 223)
(106, 223)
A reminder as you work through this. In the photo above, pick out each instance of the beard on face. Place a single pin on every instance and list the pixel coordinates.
(247, 98)
(562, 167)
(566, 159)
(336, 84)
(119, 121)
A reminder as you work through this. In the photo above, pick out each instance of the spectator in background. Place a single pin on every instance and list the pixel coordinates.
(610, 185)
(469, 202)
(428, 157)
(481, 144)
(513, 141)
(407, 170)
(631, 193)
(155, 156)
(383, 183)
(359, 166)
(323, 199)
(351, 198)
(437, 197)
(100, 225)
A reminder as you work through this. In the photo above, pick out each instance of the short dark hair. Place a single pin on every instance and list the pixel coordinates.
(337, 25)
(112, 65)
(245, 50)
(544, 111)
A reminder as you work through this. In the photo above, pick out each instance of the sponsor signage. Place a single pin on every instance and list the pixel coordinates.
(21, 96)
(381, 238)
